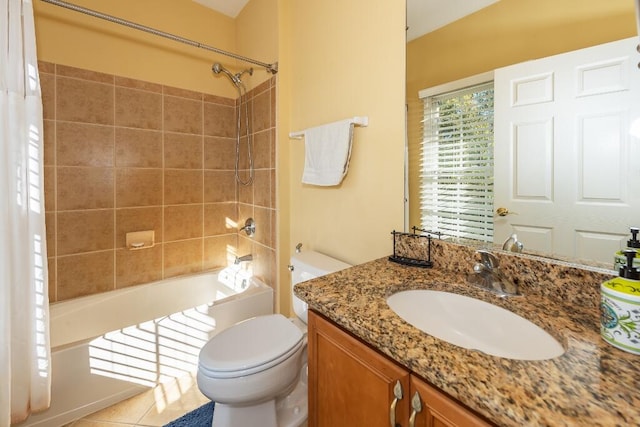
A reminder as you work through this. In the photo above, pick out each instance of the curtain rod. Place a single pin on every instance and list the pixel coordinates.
(272, 68)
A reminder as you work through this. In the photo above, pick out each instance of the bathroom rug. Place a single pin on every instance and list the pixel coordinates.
(199, 417)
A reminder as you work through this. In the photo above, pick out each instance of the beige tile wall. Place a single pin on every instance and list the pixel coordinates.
(124, 155)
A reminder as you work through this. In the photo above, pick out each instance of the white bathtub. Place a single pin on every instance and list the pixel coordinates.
(111, 346)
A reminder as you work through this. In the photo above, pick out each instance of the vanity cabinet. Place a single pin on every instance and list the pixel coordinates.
(351, 384)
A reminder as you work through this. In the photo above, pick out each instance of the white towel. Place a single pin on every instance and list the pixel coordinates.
(327, 153)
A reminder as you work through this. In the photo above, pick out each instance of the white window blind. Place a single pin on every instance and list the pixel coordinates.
(456, 193)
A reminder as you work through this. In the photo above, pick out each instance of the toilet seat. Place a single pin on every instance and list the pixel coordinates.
(249, 347)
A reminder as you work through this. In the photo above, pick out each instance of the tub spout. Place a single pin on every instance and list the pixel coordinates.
(243, 258)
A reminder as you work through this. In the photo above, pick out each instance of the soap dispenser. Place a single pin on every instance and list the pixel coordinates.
(619, 259)
(620, 307)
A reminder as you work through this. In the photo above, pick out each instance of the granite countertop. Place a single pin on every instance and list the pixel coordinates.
(591, 384)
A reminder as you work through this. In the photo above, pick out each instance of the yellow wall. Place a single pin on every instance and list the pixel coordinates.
(347, 59)
(71, 38)
(507, 32)
(257, 37)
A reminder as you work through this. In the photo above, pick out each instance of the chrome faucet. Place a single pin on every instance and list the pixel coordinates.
(487, 275)
(512, 244)
(244, 258)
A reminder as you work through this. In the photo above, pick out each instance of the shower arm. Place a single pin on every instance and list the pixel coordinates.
(271, 68)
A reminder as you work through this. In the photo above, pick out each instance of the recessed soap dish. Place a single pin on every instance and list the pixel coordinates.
(140, 240)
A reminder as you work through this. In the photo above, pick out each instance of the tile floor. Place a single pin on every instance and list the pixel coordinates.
(155, 407)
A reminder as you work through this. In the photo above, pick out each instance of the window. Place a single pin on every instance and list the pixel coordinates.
(456, 188)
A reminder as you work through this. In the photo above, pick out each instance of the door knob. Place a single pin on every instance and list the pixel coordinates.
(502, 211)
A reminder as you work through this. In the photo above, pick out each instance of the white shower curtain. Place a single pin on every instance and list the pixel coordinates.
(25, 375)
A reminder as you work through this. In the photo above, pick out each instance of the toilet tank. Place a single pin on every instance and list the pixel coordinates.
(309, 265)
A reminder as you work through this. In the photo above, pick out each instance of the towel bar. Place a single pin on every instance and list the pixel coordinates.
(357, 120)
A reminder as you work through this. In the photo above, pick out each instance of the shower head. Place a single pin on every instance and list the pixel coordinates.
(218, 68)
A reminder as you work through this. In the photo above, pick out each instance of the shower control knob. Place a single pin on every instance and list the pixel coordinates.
(249, 227)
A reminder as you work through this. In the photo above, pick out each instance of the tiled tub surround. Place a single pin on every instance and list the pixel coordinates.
(592, 384)
(125, 155)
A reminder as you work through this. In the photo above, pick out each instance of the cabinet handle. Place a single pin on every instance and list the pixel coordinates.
(397, 392)
(416, 405)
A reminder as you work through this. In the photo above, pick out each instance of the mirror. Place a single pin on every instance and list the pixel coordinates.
(504, 33)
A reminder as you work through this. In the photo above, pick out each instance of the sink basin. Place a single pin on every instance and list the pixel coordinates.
(474, 324)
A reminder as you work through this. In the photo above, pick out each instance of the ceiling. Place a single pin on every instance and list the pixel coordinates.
(423, 16)
(227, 7)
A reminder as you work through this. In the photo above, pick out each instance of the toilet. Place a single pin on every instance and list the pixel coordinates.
(256, 370)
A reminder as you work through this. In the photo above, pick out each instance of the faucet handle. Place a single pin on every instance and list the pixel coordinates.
(249, 227)
(488, 260)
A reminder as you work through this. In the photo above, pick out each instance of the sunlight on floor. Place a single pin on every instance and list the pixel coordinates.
(173, 391)
(155, 407)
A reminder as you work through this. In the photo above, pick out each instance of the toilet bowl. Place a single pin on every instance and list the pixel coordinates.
(255, 370)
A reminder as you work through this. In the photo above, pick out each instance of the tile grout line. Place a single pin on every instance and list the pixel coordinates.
(115, 190)
(202, 249)
(162, 221)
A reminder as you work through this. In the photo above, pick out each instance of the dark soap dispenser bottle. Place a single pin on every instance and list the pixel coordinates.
(620, 260)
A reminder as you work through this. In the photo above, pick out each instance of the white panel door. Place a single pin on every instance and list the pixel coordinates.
(566, 167)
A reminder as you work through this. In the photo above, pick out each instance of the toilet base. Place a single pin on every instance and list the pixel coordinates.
(262, 414)
(292, 410)
(288, 411)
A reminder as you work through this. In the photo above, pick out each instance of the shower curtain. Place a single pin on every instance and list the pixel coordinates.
(25, 376)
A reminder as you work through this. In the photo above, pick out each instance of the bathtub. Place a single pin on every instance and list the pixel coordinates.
(108, 347)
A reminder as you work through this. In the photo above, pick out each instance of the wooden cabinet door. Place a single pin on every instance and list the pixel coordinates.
(439, 410)
(351, 384)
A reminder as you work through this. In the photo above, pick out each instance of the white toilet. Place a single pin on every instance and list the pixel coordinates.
(256, 370)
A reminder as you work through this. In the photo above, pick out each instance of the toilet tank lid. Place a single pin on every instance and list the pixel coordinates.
(317, 263)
